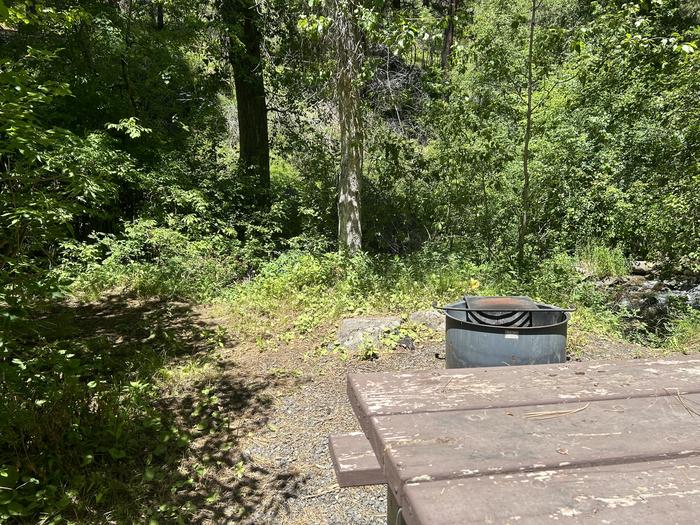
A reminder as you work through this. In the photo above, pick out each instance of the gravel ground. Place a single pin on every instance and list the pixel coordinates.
(303, 417)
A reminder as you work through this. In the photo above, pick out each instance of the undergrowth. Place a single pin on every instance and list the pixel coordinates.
(90, 429)
(89, 425)
(292, 295)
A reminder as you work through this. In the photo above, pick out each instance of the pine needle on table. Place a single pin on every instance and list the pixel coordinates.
(551, 414)
(684, 402)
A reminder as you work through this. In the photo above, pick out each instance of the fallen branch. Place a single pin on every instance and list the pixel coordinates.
(322, 493)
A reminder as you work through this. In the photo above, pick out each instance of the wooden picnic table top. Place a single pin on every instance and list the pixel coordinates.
(603, 442)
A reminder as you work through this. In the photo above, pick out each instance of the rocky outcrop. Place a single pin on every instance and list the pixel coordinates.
(649, 299)
(642, 267)
(433, 319)
(356, 331)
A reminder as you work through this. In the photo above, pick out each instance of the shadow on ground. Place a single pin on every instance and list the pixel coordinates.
(133, 415)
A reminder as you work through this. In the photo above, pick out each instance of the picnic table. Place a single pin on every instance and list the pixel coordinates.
(596, 442)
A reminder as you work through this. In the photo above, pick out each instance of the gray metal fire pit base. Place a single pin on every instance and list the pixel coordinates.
(470, 344)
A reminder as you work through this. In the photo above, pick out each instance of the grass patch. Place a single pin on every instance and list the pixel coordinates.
(685, 332)
(299, 292)
(601, 261)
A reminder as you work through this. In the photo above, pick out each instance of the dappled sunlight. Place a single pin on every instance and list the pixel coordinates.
(162, 445)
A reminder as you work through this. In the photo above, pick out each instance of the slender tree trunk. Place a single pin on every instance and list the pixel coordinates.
(351, 128)
(525, 195)
(246, 60)
(448, 36)
(159, 16)
(124, 59)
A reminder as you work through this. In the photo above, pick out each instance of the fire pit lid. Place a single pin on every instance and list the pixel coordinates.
(500, 311)
(501, 304)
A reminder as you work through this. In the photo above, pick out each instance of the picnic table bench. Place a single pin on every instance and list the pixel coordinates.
(592, 442)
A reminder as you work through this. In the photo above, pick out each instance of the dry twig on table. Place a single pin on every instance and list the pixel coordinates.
(684, 402)
(551, 414)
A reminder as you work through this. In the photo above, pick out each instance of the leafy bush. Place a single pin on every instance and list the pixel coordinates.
(88, 428)
(601, 261)
(152, 260)
(76, 421)
(305, 290)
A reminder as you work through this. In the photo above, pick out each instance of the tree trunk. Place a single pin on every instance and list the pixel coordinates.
(351, 128)
(525, 195)
(448, 36)
(159, 16)
(124, 59)
(246, 59)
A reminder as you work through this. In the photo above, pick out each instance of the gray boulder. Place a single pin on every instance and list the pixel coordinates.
(643, 267)
(433, 319)
(356, 330)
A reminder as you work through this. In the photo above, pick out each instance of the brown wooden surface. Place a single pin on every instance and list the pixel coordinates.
(384, 393)
(650, 492)
(354, 461)
(443, 445)
(455, 426)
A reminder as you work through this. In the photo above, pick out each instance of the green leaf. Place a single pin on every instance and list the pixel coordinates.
(8, 476)
(116, 453)
(15, 508)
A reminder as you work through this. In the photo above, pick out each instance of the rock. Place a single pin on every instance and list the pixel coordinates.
(406, 343)
(649, 301)
(431, 318)
(643, 267)
(352, 332)
(693, 296)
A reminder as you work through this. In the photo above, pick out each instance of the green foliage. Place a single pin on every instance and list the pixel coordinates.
(309, 290)
(684, 331)
(122, 175)
(600, 261)
(152, 261)
(85, 427)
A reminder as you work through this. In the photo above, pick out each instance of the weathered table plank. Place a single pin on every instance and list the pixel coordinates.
(354, 461)
(445, 445)
(465, 430)
(478, 388)
(651, 492)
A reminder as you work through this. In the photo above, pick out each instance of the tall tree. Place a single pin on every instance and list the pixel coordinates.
(525, 192)
(349, 55)
(449, 34)
(243, 21)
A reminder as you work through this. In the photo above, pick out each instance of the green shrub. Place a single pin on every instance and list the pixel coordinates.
(79, 428)
(555, 280)
(600, 261)
(152, 260)
(309, 289)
